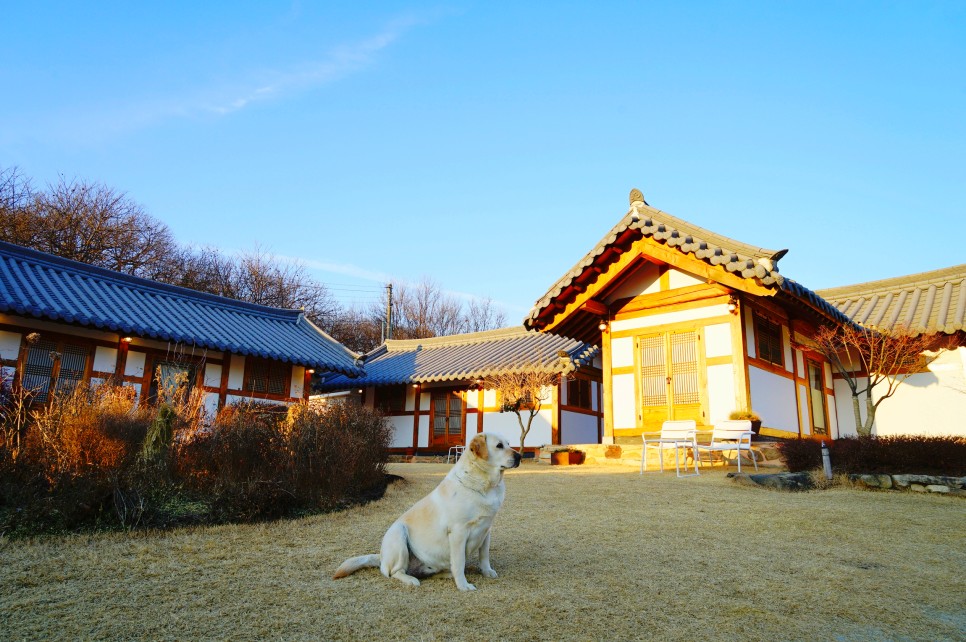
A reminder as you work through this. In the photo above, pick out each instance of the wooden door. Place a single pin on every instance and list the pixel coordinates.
(447, 419)
(670, 384)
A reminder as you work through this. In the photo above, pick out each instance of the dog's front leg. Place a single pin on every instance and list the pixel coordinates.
(485, 567)
(457, 558)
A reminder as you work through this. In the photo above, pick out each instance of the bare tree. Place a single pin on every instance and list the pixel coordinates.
(523, 391)
(872, 360)
(481, 316)
(94, 224)
(15, 193)
(358, 329)
(423, 310)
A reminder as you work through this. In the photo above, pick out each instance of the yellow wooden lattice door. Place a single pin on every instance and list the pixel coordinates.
(669, 378)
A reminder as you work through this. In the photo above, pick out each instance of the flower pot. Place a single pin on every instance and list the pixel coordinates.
(560, 458)
(755, 426)
(577, 457)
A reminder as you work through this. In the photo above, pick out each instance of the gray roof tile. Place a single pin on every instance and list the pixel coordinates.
(464, 357)
(45, 286)
(929, 302)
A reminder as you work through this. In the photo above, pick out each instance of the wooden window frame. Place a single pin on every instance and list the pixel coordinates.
(773, 341)
(391, 400)
(54, 379)
(584, 388)
(253, 380)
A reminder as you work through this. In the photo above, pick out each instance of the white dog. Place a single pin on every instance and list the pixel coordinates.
(450, 525)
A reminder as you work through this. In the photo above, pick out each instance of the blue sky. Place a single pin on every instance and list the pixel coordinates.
(491, 145)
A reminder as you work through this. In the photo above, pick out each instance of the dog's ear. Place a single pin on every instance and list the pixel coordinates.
(478, 447)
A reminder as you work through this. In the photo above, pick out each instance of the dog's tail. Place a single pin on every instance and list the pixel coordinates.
(353, 564)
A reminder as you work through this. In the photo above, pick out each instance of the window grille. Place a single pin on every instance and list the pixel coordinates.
(270, 377)
(769, 342)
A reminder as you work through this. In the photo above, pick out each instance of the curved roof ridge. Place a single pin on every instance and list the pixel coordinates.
(724, 242)
(953, 273)
(469, 338)
(741, 259)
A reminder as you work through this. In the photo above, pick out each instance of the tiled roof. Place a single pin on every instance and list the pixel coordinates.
(467, 356)
(49, 287)
(926, 303)
(741, 259)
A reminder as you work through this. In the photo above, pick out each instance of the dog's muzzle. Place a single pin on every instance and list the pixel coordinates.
(516, 460)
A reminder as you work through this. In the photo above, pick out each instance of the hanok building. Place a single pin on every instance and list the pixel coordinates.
(433, 389)
(695, 325)
(62, 322)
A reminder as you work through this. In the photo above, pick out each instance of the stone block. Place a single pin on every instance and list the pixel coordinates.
(938, 488)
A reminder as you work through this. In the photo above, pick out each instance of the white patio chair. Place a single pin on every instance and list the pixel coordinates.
(674, 434)
(455, 452)
(733, 435)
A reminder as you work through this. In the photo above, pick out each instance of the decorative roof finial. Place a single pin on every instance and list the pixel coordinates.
(636, 196)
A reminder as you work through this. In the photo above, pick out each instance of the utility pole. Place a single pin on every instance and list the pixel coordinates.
(387, 333)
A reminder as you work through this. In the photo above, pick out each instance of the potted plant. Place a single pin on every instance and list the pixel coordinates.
(749, 415)
(576, 456)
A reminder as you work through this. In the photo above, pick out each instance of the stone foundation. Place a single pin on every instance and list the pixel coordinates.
(915, 483)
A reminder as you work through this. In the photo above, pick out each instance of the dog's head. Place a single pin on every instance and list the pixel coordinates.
(494, 450)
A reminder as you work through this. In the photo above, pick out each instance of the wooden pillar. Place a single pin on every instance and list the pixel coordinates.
(416, 402)
(607, 387)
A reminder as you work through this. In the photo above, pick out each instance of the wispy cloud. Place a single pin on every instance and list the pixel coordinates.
(93, 123)
(341, 62)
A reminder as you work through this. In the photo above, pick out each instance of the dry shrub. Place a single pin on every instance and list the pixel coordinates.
(75, 451)
(259, 463)
(902, 454)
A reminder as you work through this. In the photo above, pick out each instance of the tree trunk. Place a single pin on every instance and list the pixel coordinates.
(863, 428)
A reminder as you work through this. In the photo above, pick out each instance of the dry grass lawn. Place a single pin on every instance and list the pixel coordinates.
(590, 553)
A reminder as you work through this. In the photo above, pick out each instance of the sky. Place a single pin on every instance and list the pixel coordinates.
(489, 146)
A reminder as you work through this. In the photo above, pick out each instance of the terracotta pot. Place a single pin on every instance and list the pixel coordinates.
(560, 458)
(755, 426)
(577, 457)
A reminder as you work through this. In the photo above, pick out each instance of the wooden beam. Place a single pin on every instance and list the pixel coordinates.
(595, 307)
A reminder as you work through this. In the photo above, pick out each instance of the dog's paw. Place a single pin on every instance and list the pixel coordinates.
(466, 587)
(489, 572)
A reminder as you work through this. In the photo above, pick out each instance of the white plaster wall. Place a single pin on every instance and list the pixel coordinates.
(717, 340)
(577, 428)
(105, 359)
(787, 348)
(402, 432)
(625, 413)
(773, 398)
(644, 281)
(134, 365)
(213, 375)
(9, 345)
(423, 435)
(800, 364)
(211, 404)
(594, 396)
(298, 382)
(670, 317)
(505, 424)
(472, 425)
(236, 372)
(833, 424)
(679, 279)
(929, 403)
(472, 399)
(721, 392)
(622, 352)
(804, 412)
(750, 334)
(489, 400)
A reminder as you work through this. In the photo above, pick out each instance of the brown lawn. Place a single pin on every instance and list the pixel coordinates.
(589, 553)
